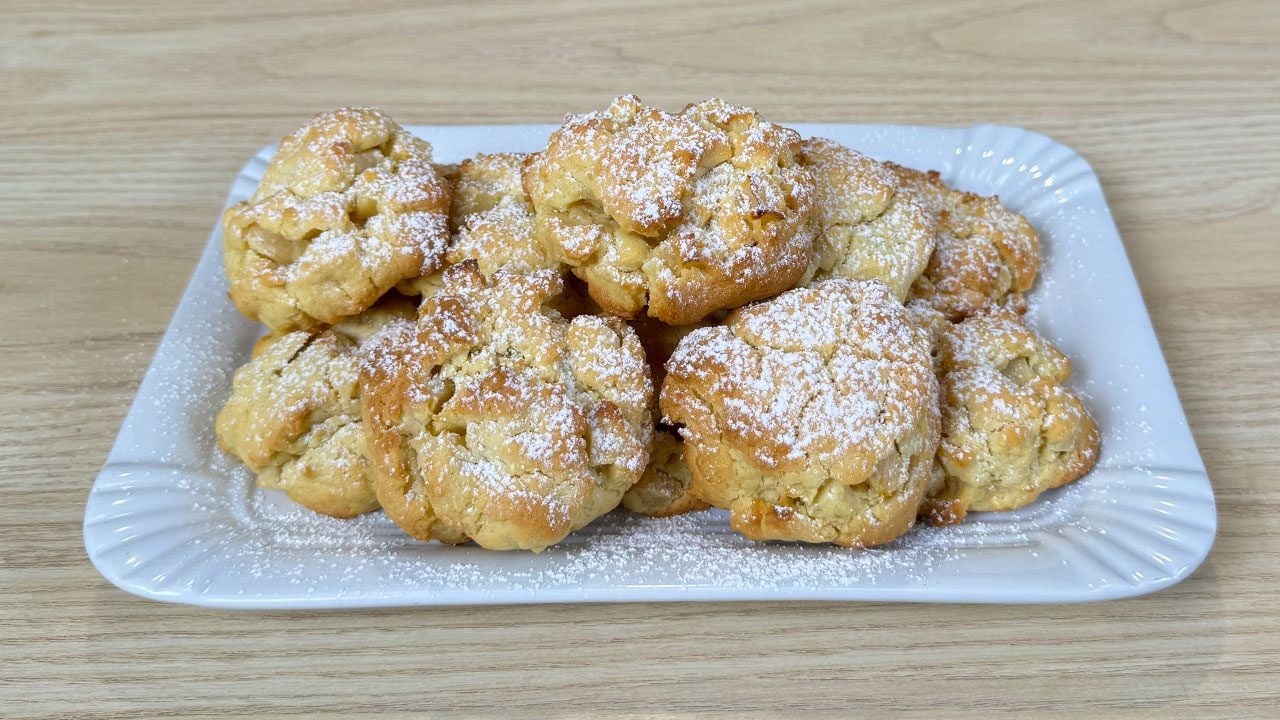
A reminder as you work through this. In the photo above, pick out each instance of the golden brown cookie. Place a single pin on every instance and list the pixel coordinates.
(493, 222)
(864, 228)
(349, 206)
(1011, 429)
(812, 416)
(664, 489)
(494, 418)
(925, 189)
(986, 254)
(294, 414)
(686, 213)
(487, 181)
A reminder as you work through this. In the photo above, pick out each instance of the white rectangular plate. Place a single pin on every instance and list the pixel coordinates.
(172, 518)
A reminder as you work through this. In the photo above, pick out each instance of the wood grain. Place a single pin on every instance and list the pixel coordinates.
(121, 127)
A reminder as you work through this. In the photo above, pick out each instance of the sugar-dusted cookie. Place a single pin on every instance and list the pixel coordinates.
(349, 206)
(812, 416)
(496, 419)
(294, 413)
(1011, 429)
(686, 213)
(493, 223)
(864, 227)
(986, 254)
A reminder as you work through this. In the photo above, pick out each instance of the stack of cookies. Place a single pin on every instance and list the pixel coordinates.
(660, 311)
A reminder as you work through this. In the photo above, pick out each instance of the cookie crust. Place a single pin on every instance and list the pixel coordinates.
(811, 416)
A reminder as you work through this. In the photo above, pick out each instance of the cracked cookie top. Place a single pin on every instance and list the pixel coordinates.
(294, 413)
(865, 228)
(1011, 429)
(986, 254)
(493, 222)
(686, 213)
(349, 206)
(493, 418)
(811, 416)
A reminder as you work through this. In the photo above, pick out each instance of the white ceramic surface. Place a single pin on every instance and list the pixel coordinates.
(171, 518)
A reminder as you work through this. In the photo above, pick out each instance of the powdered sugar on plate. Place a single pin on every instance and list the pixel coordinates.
(689, 550)
(264, 536)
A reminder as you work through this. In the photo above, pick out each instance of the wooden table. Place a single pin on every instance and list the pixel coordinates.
(120, 130)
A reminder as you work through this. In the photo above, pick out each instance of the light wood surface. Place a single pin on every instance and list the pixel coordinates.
(121, 127)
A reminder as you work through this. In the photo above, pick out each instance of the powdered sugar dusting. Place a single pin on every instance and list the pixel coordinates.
(825, 373)
(702, 210)
(349, 206)
(369, 556)
(690, 550)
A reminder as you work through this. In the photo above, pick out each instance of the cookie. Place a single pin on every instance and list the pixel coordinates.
(812, 416)
(664, 488)
(294, 414)
(986, 254)
(350, 206)
(492, 220)
(494, 418)
(684, 213)
(864, 228)
(1011, 429)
